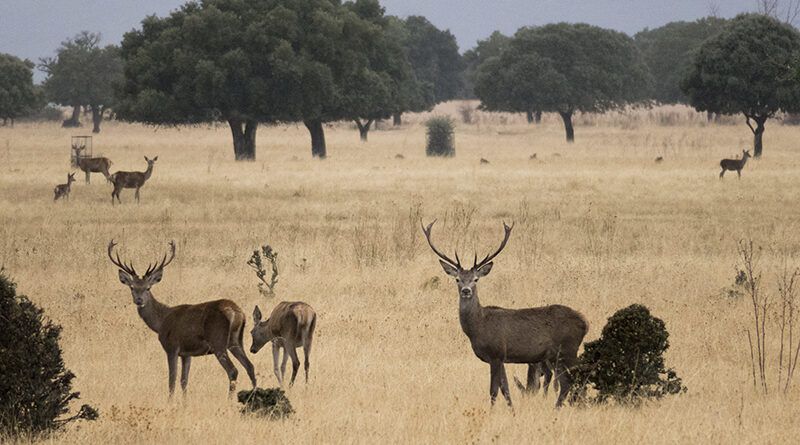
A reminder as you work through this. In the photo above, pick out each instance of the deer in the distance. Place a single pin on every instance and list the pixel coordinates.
(187, 330)
(734, 164)
(62, 190)
(290, 326)
(91, 165)
(550, 334)
(131, 180)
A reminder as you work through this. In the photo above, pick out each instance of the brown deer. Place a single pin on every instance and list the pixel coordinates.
(91, 165)
(734, 164)
(187, 330)
(290, 326)
(62, 190)
(550, 334)
(131, 180)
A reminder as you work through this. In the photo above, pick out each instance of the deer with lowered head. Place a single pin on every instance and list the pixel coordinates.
(131, 180)
(187, 330)
(62, 190)
(289, 326)
(550, 334)
(91, 165)
(734, 164)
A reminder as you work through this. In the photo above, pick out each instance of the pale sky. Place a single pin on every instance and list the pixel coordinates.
(34, 28)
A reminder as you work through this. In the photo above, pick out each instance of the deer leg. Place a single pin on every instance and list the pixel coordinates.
(306, 353)
(186, 363)
(504, 384)
(548, 375)
(290, 348)
(534, 377)
(722, 173)
(88, 181)
(240, 355)
(276, 355)
(739, 173)
(494, 381)
(564, 382)
(226, 363)
(137, 195)
(172, 364)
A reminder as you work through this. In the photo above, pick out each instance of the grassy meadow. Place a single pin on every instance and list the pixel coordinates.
(599, 226)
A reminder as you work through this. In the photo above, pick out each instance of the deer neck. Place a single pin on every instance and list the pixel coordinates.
(154, 314)
(470, 314)
(148, 172)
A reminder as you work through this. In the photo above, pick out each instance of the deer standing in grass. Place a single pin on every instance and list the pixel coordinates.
(550, 334)
(131, 180)
(187, 330)
(62, 190)
(734, 164)
(91, 165)
(290, 326)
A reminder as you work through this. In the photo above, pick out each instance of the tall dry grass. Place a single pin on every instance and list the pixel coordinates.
(599, 226)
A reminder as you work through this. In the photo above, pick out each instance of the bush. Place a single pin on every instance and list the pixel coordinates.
(35, 386)
(48, 113)
(441, 137)
(626, 364)
(271, 403)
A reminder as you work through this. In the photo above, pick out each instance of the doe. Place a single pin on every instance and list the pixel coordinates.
(131, 180)
(290, 326)
(734, 164)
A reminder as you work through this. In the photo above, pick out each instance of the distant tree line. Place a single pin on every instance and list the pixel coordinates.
(247, 63)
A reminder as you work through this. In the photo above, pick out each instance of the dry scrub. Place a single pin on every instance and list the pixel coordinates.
(600, 226)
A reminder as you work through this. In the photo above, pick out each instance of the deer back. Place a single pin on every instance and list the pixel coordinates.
(95, 165)
(197, 329)
(289, 319)
(128, 179)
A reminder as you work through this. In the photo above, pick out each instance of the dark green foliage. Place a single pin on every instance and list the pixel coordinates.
(564, 68)
(483, 51)
(626, 364)
(750, 68)
(271, 403)
(256, 262)
(668, 52)
(48, 113)
(441, 137)
(18, 96)
(35, 387)
(83, 74)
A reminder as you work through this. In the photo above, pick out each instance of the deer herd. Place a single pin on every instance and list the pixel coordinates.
(120, 179)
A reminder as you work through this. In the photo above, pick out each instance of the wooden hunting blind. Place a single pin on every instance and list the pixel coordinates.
(80, 146)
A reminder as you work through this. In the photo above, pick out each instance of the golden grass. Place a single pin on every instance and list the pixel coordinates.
(599, 227)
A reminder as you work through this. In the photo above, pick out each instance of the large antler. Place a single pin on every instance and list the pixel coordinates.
(427, 232)
(122, 266)
(499, 249)
(164, 261)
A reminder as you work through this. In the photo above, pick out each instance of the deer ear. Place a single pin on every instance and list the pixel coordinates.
(257, 315)
(449, 269)
(155, 159)
(155, 276)
(484, 270)
(125, 278)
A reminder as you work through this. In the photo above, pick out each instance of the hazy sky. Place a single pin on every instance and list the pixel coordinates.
(34, 28)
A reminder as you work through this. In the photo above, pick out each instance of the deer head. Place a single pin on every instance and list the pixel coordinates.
(150, 162)
(261, 335)
(78, 147)
(140, 286)
(70, 178)
(745, 154)
(467, 279)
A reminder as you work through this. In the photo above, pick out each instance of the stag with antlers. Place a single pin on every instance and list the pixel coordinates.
(188, 330)
(91, 165)
(550, 334)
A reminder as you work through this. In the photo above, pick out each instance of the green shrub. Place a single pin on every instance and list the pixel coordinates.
(48, 113)
(271, 403)
(626, 364)
(35, 387)
(441, 137)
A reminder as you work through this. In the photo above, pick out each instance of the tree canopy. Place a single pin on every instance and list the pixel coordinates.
(83, 74)
(252, 61)
(18, 96)
(564, 68)
(748, 68)
(493, 46)
(668, 52)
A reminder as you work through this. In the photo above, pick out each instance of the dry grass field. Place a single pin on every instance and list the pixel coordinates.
(599, 226)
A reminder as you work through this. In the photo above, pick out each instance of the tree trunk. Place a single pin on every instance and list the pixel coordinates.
(244, 138)
(97, 117)
(758, 145)
(397, 119)
(363, 129)
(537, 117)
(318, 149)
(566, 116)
(529, 116)
(75, 120)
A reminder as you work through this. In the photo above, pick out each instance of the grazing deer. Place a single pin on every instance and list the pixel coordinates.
(187, 330)
(484, 161)
(734, 164)
(91, 165)
(62, 190)
(131, 180)
(549, 334)
(659, 159)
(290, 326)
